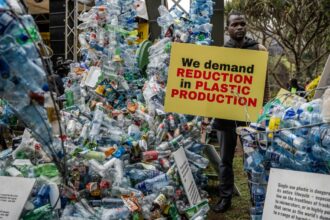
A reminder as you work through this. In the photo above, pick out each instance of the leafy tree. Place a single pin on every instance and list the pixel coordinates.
(299, 27)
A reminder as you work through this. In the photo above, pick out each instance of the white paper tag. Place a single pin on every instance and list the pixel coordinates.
(14, 192)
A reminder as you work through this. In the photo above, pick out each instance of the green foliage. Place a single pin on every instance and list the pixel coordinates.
(300, 27)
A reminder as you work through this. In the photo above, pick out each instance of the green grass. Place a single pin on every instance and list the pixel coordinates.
(240, 204)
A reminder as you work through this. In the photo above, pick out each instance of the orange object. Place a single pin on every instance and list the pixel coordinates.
(131, 106)
(131, 202)
(100, 89)
(110, 151)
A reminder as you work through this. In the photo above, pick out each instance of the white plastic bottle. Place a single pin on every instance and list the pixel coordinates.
(97, 121)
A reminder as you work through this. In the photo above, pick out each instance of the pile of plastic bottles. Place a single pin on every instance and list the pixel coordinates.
(109, 153)
(289, 137)
(200, 15)
(195, 28)
(22, 77)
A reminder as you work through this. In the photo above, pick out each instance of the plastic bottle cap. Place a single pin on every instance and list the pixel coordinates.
(24, 37)
(45, 87)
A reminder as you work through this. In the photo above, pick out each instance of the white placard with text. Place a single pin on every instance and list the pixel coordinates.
(297, 195)
(14, 192)
(186, 176)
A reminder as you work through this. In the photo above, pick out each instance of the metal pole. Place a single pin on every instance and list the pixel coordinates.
(218, 23)
(66, 28)
(71, 19)
(75, 31)
(153, 14)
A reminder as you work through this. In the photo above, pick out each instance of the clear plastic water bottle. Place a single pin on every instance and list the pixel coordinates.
(174, 143)
(193, 146)
(320, 153)
(289, 113)
(206, 27)
(35, 117)
(71, 128)
(134, 132)
(68, 211)
(307, 117)
(82, 211)
(28, 73)
(279, 143)
(282, 158)
(12, 171)
(14, 94)
(108, 202)
(82, 40)
(161, 132)
(168, 191)
(96, 167)
(315, 134)
(97, 121)
(42, 196)
(258, 194)
(84, 132)
(291, 139)
(258, 175)
(147, 200)
(156, 182)
(321, 135)
(314, 106)
(89, 155)
(118, 191)
(253, 160)
(274, 157)
(309, 113)
(139, 175)
(290, 163)
(119, 169)
(116, 213)
(165, 20)
(33, 37)
(325, 138)
(256, 213)
(197, 159)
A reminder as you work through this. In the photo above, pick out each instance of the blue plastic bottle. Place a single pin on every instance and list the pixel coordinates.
(254, 160)
(141, 175)
(158, 182)
(321, 135)
(321, 153)
(29, 73)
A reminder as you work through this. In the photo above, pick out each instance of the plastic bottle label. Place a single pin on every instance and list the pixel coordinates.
(160, 200)
(150, 155)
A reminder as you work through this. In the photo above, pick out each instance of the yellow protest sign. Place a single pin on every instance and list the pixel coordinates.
(216, 82)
